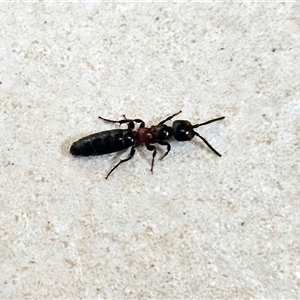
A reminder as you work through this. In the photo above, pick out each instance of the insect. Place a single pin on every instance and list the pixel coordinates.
(114, 140)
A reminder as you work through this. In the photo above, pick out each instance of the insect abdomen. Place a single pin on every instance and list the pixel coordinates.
(103, 142)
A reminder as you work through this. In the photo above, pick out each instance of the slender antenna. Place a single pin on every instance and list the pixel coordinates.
(208, 122)
(207, 143)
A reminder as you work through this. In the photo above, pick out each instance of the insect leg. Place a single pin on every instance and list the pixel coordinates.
(152, 148)
(169, 118)
(124, 121)
(131, 154)
(142, 125)
(207, 144)
(168, 148)
(134, 120)
(115, 121)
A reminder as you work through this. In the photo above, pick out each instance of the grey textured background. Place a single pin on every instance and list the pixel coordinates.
(199, 227)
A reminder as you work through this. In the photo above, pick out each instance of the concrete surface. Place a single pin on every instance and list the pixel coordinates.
(199, 227)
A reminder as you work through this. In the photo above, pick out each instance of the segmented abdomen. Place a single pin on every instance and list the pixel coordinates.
(103, 142)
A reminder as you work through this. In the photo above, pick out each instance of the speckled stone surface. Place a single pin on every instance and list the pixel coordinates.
(200, 226)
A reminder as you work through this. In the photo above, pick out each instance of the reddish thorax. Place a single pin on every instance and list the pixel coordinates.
(146, 136)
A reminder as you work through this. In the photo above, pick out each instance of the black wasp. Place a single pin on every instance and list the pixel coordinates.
(114, 140)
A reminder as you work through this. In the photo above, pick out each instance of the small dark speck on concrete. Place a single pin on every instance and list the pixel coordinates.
(243, 223)
(0, 82)
(264, 115)
(231, 59)
(222, 49)
(273, 50)
(157, 19)
(193, 41)
(69, 48)
(9, 164)
(255, 59)
(45, 22)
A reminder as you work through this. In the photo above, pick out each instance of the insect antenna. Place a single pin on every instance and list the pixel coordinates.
(203, 139)
(207, 143)
(208, 122)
